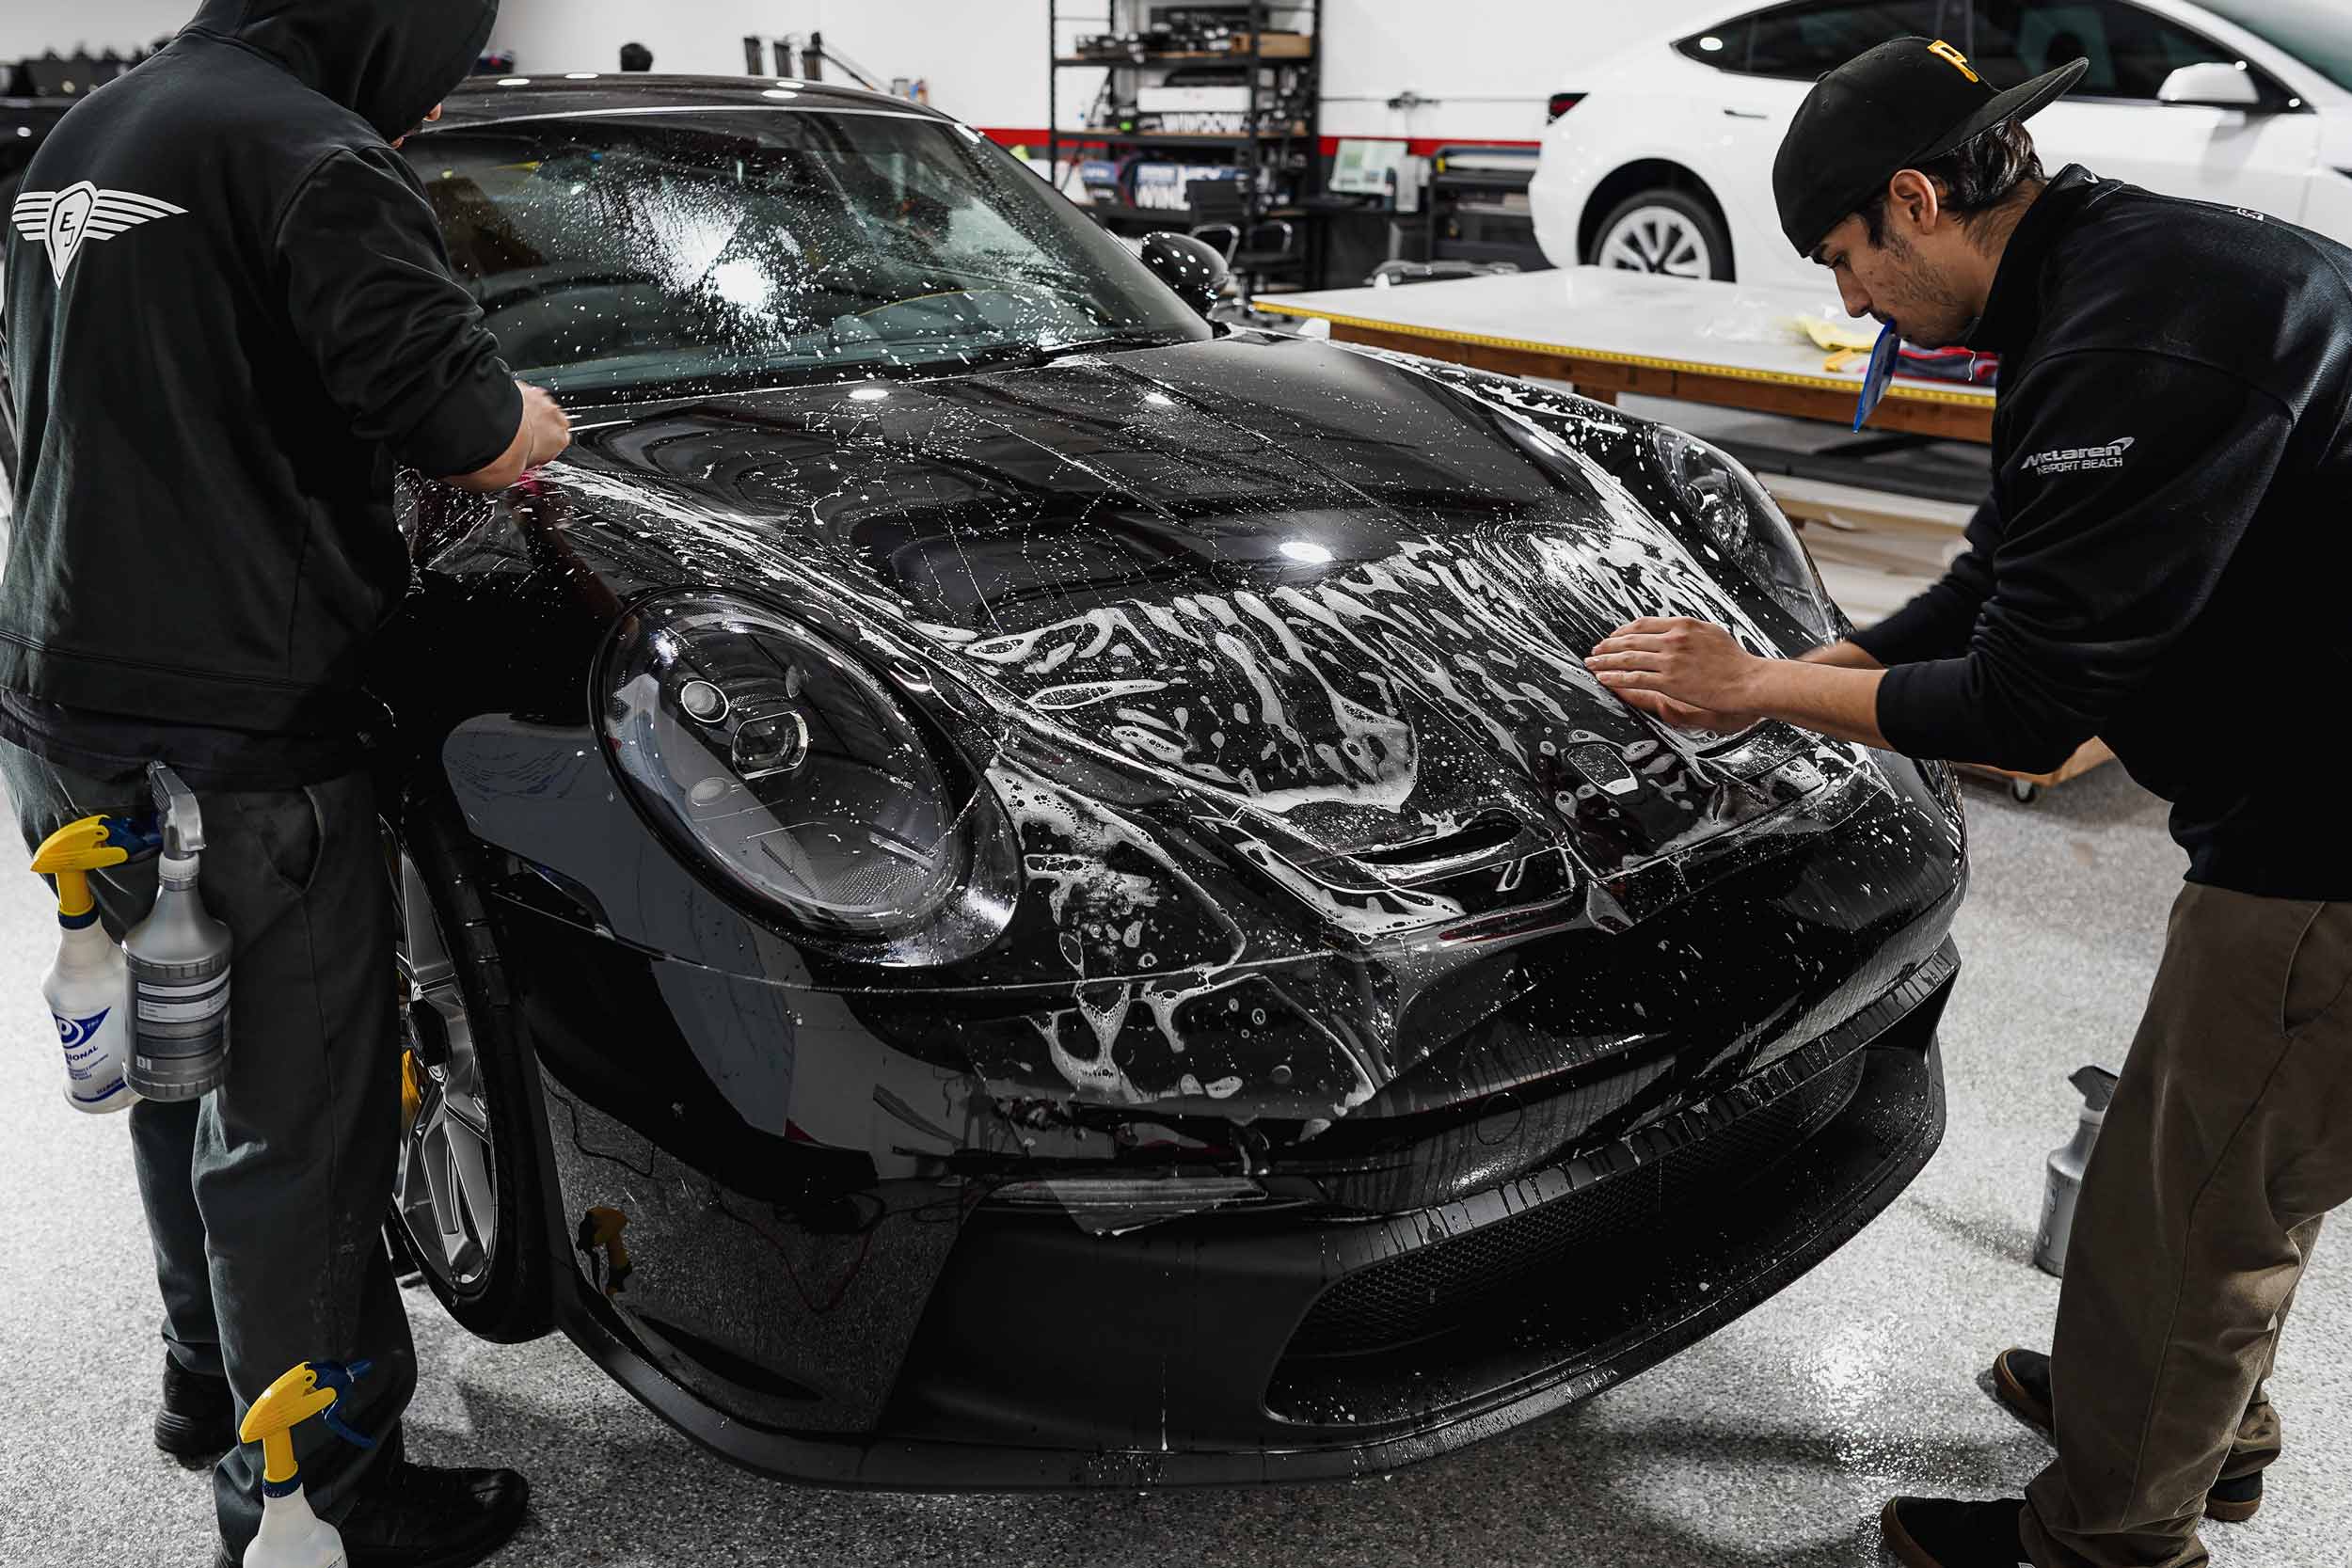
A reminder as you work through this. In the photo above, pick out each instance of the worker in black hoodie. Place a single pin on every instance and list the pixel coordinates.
(229, 315)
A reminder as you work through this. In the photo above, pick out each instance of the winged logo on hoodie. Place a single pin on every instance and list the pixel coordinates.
(59, 221)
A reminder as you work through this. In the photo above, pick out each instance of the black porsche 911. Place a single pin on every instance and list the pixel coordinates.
(1006, 887)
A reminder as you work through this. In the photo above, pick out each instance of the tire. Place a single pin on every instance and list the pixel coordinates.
(1663, 230)
(474, 1113)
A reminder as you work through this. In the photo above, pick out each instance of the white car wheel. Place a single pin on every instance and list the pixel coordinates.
(1666, 232)
(1660, 240)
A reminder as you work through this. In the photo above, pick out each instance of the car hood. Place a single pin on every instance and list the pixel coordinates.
(1272, 652)
(1339, 601)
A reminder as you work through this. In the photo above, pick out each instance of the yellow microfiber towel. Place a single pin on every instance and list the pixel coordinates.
(1827, 333)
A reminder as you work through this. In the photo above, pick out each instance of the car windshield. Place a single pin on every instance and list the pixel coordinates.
(707, 248)
(2318, 32)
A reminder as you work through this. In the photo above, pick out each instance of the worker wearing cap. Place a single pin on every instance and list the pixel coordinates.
(2163, 564)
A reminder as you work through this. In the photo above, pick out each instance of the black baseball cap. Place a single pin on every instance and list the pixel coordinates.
(1893, 107)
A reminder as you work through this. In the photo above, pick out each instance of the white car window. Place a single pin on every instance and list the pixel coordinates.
(2318, 32)
(1807, 41)
(2131, 51)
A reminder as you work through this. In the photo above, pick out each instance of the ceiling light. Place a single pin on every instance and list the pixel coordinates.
(1305, 550)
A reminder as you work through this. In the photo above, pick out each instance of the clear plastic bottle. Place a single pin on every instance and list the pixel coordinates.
(88, 988)
(292, 1536)
(85, 991)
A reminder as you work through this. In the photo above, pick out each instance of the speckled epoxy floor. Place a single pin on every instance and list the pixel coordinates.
(1771, 1443)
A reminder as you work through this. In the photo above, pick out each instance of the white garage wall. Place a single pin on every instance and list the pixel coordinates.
(1485, 64)
(1488, 64)
(30, 27)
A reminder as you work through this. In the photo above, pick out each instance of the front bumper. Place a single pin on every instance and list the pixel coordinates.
(1226, 1349)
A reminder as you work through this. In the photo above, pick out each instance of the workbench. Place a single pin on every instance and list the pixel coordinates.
(1732, 345)
(1607, 332)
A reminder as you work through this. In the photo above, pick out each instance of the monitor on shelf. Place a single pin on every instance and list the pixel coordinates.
(1363, 167)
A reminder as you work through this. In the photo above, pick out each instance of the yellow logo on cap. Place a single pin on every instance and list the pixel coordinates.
(1960, 62)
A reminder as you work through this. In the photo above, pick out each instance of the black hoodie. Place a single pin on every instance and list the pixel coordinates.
(228, 313)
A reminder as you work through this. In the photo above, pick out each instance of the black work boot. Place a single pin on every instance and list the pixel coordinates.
(199, 1418)
(1937, 1532)
(2021, 1381)
(419, 1516)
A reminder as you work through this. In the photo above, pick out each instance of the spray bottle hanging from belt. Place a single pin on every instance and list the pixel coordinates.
(148, 1019)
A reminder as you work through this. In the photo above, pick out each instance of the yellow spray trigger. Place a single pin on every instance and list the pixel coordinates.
(311, 1389)
(291, 1400)
(73, 851)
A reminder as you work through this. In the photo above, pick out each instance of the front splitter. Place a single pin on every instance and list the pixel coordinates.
(1776, 1231)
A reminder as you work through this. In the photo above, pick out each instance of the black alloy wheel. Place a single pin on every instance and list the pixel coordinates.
(466, 1199)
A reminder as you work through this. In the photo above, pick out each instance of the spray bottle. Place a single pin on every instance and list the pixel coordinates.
(89, 984)
(178, 959)
(2066, 1169)
(291, 1535)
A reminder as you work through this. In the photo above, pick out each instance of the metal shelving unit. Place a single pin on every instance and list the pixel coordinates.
(1280, 163)
(1468, 212)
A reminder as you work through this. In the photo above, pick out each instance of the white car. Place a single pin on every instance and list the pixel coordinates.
(1661, 160)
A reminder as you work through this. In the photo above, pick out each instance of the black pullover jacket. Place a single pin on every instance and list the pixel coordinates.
(228, 313)
(2166, 556)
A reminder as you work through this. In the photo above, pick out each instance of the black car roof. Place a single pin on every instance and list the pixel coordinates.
(486, 100)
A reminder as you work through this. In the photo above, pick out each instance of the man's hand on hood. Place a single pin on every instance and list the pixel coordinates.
(540, 436)
(430, 116)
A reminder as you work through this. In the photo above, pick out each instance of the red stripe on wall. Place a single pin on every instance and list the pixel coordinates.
(1421, 147)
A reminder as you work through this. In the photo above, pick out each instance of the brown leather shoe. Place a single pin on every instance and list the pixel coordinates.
(2021, 1381)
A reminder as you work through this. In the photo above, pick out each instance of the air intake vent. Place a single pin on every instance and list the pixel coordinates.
(1486, 832)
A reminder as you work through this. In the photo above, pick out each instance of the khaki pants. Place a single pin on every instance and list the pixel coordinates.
(2230, 1136)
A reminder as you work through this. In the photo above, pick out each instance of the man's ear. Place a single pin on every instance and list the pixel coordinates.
(1915, 195)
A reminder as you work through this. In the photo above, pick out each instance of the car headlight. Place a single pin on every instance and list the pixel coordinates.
(1734, 511)
(797, 780)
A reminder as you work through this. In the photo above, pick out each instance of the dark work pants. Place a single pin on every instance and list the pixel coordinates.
(265, 1199)
(2231, 1135)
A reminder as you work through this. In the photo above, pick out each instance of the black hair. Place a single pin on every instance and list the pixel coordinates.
(636, 56)
(1978, 176)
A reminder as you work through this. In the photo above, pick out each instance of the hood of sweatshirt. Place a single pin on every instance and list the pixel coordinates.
(389, 62)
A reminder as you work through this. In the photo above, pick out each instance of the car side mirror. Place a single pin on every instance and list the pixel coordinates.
(1191, 267)
(2213, 86)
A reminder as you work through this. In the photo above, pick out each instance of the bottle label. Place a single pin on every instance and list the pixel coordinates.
(178, 1005)
(95, 1073)
(76, 1034)
(79, 1036)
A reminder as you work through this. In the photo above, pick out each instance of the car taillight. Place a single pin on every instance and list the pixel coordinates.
(1560, 103)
